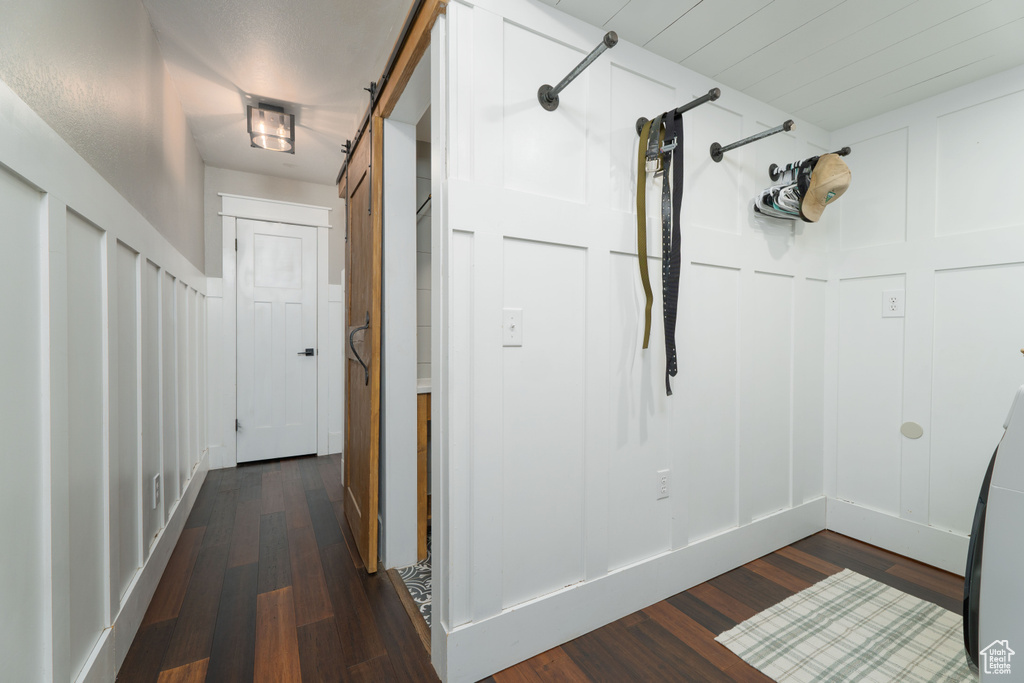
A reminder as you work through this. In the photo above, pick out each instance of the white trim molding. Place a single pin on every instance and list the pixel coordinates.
(103, 540)
(274, 211)
(481, 648)
(943, 549)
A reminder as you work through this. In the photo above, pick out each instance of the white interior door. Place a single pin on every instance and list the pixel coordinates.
(276, 308)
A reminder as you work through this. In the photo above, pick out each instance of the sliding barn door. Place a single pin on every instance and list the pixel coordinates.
(362, 376)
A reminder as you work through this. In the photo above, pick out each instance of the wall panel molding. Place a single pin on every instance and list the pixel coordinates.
(100, 385)
(553, 447)
(956, 365)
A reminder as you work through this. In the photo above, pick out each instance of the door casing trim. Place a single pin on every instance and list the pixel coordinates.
(316, 218)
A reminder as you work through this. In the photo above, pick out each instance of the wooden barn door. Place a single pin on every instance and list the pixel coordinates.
(362, 372)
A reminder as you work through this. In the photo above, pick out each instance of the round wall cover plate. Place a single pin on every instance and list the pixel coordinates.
(912, 430)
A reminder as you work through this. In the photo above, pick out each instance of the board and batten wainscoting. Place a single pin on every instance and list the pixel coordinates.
(552, 448)
(103, 389)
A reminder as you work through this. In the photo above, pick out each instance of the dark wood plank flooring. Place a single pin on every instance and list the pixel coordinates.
(674, 640)
(264, 585)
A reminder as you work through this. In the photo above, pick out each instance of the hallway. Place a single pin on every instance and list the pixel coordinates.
(263, 585)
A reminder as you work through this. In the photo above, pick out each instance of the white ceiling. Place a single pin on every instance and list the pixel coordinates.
(829, 62)
(314, 57)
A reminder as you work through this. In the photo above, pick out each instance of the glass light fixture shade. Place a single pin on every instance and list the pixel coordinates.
(271, 128)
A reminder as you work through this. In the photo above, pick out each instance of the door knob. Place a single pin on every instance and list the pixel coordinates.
(307, 352)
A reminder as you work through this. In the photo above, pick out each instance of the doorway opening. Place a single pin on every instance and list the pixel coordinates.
(406, 376)
(385, 497)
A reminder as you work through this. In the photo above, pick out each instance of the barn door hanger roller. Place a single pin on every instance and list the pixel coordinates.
(548, 96)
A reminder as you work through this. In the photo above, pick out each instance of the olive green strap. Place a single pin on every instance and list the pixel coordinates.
(641, 227)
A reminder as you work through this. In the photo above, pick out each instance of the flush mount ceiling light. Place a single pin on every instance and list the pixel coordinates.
(270, 128)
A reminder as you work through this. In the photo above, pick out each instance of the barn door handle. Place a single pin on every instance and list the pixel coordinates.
(351, 345)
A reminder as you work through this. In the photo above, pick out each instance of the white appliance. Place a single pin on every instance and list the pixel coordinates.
(994, 586)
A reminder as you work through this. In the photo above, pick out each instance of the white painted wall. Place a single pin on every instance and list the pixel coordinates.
(930, 211)
(23, 398)
(423, 223)
(94, 387)
(221, 180)
(399, 348)
(550, 521)
(88, 438)
(336, 369)
(94, 73)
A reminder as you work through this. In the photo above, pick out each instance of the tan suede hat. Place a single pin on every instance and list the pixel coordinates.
(829, 181)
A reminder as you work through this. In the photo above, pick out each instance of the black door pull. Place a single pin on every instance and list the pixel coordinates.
(307, 352)
(352, 346)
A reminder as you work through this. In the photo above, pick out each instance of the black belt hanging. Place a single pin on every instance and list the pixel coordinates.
(670, 248)
(659, 130)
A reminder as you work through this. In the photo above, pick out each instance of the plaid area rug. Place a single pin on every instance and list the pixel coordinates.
(851, 628)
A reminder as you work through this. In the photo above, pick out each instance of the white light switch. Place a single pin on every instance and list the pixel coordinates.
(512, 327)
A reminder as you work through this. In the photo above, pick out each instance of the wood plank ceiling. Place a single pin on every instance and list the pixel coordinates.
(829, 62)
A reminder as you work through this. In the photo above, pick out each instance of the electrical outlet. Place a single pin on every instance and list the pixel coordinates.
(156, 490)
(892, 303)
(663, 484)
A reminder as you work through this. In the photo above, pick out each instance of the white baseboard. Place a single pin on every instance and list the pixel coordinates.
(100, 667)
(112, 647)
(335, 442)
(480, 649)
(943, 549)
(219, 458)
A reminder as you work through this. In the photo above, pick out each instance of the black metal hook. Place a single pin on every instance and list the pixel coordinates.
(352, 345)
(711, 96)
(775, 172)
(548, 96)
(717, 150)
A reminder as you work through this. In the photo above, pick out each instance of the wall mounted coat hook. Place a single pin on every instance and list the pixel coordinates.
(548, 96)
(718, 151)
(711, 96)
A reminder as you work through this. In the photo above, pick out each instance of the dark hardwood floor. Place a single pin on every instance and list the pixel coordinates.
(265, 585)
(674, 640)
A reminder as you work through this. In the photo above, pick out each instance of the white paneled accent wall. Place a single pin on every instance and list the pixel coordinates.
(931, 212)
(554, 446)
(423, 223)
(24, 426)
(126, 369)
(101, 391)
(336, 368)
(88, 437)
